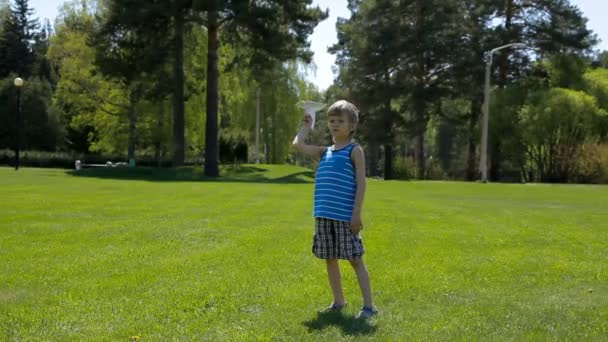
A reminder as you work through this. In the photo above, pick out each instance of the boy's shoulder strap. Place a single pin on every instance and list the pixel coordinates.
(350, 153)
(351, 147)
(325, 149)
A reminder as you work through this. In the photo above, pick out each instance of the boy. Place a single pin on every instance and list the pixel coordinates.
(339, 192)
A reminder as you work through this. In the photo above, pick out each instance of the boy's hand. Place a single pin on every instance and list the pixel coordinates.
(307, 122)
(355, 223)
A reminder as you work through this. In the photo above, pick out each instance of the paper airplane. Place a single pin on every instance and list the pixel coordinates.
(311, 108)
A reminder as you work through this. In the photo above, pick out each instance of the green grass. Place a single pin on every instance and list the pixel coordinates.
(169, 255)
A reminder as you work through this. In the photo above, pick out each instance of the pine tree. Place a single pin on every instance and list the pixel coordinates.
(398, 52)
(19, 32)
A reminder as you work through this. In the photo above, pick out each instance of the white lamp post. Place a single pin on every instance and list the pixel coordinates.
(18, 83)
(483, 164)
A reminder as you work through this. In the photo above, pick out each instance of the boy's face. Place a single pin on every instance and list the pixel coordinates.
(340, 126)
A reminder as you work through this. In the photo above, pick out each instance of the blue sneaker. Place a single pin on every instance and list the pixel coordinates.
(366, 313)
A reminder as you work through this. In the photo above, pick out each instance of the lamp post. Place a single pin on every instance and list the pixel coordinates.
(483, 163)
(18, 83)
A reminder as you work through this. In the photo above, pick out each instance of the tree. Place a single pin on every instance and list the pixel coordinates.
(22, 53)
(555, 125)
(602, 59)
(596, 85)
(147, 22)
(368, 63)
(547, 27)
(400, 52)
(275, 30)
(466, 75)
(19, 32)
(127, 55)
(89, 103)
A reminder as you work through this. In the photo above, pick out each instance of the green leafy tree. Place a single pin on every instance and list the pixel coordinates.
(602, 59)
(89, 104)
(555, 125)
(127, 55)
(142, 22)
(547, 27)
(596, 85)
(275, 31)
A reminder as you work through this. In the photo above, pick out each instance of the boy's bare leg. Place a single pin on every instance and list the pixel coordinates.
(364, 284)
(333, 273)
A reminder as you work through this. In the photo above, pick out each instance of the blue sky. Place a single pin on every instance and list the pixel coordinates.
(325, 33)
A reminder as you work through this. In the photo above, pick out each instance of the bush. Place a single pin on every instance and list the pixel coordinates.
(38, 159)
(434, 171)
(233, 147)
(592, 164)
(66, 160)
(404, 168)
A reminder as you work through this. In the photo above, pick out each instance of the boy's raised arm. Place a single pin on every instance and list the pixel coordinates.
(300, 145)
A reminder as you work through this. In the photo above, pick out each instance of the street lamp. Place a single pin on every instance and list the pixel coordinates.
(483, 164)
(18, 83)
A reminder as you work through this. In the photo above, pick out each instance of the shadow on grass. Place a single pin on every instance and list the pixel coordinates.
(349, 325)
(244, 174)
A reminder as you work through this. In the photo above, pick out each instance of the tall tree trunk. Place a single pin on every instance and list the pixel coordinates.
(211, 136)
(420, 130)
(388, 146)
(388, 161)
(495, 159)
(273, 130)
(471, 173)
(179, 141)
(132, 124)
(419, 95)
(373, 157)
(158, 139)
(503, 71)
(503, 61)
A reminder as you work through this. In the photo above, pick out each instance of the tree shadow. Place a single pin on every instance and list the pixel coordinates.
(348, 324)
(243, 174)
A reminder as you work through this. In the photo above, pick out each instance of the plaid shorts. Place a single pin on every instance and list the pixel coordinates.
(334, 240)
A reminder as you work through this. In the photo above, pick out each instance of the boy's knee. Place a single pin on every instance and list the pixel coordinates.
(356, 262)
(331, 261)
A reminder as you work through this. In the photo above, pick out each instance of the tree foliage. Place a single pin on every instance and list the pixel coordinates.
(555, 125)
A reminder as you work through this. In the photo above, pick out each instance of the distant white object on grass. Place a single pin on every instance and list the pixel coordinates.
(311, 108)
(79, 165)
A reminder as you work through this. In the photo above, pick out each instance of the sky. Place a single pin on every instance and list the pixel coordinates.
(324, 35)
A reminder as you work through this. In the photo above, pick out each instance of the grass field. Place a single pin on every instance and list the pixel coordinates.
(108, 254)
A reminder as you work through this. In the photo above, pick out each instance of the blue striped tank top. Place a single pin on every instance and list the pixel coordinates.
(335, 185)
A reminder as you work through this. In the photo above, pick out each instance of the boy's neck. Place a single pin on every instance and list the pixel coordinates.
(339, 143)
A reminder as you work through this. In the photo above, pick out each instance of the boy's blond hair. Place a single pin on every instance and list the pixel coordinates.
(344, 107)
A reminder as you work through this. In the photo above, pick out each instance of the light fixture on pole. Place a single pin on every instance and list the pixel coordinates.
(483, 163)
(18, 83)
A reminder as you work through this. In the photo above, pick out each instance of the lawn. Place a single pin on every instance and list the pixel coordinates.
(108, 254)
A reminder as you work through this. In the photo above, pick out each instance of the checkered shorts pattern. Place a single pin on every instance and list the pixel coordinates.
(334, 240)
